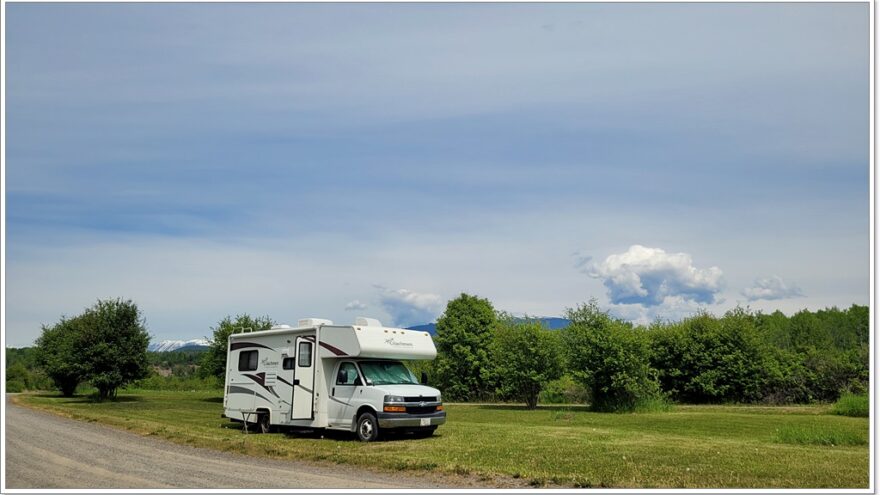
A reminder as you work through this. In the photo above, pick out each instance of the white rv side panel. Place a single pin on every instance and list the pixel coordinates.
(269, 386)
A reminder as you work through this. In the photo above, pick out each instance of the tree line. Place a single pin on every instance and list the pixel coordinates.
(486, 355)
(742, 356)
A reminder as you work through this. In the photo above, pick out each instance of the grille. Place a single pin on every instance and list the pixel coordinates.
(421, 410)
(419, 399)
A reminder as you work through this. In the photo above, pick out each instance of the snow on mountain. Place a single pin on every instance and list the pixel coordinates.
(174, 345)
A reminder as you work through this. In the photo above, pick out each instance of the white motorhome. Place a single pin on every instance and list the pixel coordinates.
(339, 377)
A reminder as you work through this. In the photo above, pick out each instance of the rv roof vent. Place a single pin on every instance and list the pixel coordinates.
(367, 322)
(281, 327)
(313, 322)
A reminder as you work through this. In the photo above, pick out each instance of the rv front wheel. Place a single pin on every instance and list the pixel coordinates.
(367, 427)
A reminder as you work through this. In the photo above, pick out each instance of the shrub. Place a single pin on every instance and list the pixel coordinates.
(15, 386)
(710, 359)
(852, 405)
(525, 356)
(564, 390)
(610, 358)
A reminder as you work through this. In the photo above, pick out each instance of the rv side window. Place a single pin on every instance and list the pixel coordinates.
(287, 363)
(247, 361)
(305, 354)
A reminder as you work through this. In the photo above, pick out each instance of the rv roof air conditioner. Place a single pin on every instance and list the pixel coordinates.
(367, 322)
(313, 322)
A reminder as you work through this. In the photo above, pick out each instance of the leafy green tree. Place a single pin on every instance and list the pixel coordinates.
(214, 359)
(112, 345)
(58, 354)
(526, 357)
(610, 358)
(464, 334)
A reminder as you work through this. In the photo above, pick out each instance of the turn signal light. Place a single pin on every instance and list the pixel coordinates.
(439, 408)
(394, 409)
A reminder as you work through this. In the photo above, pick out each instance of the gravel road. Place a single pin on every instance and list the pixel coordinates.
(48, 451)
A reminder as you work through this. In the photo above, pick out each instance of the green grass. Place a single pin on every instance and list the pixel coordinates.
(852, 405)
(687, 447)
(819, 434)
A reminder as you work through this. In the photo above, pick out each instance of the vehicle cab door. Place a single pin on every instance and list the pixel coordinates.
(347, 381)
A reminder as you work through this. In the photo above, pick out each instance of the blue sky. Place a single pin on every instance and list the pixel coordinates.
(299, 159)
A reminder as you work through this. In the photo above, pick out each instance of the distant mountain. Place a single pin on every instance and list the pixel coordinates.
(551, 322)
(178, 345)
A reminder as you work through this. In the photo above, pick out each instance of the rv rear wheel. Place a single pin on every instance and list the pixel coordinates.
(367, 427)
(263, 423)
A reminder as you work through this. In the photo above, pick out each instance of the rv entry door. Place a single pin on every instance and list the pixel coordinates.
(304, 379)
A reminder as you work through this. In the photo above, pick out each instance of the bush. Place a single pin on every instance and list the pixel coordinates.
(525, 356)
(852, 405)
(564, 390)
(710, 359)
(15, 386)
(610, 358)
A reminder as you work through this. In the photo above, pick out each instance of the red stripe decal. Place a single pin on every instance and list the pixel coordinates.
(334, 350)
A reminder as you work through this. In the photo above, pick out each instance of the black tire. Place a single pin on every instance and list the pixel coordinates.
(424, 432)
(263, 425)
(367, 427)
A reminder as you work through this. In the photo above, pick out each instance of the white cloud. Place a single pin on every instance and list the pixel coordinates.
(355, 305)
(771, 288)
(674, 308)
(409, 308)
(648, 276)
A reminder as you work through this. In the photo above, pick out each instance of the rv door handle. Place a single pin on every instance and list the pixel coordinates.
(296, 382)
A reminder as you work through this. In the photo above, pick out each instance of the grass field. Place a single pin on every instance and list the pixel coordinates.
(690, 446)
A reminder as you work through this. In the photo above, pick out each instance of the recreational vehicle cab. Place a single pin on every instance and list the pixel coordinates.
(340, 377)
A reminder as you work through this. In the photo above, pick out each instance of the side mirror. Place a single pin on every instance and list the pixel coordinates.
(341, 377)
(369, 382)
(424, 378)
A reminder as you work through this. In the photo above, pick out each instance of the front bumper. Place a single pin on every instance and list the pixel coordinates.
(404, 420)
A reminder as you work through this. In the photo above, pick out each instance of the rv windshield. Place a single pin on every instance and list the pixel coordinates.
(387, 373)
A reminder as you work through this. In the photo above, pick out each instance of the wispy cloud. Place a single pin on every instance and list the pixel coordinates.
(771, 288)
(355, 305)
(648, 276)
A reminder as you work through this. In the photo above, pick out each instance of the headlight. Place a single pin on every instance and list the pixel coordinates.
(394, 398)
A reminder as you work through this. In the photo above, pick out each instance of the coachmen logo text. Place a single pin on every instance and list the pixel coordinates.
(268, 363)
(397, 343)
